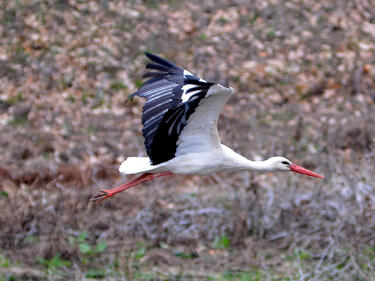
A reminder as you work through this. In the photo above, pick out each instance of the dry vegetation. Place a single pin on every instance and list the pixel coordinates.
(304, 74)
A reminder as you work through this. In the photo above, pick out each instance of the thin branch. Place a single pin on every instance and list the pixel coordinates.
(356, 266)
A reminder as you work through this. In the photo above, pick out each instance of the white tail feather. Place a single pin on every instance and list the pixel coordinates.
(135, 165)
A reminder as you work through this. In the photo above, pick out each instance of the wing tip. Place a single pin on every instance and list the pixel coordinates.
(161, 61)
(149, 55)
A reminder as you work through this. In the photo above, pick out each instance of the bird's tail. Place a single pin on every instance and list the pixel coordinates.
(135, 165)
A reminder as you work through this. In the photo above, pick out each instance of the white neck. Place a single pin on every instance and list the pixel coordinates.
(246, 164)
(238, 162)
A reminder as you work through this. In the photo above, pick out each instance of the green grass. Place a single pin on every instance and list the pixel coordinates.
(4, 261)
(184, 255)
(16, 98)
(138, 83)
(140, 251)
(203, 36)
(84, 247)
(20, 121)
(71, 98)
(117, 86)
(54, 266)
(221, 242)
(253, 275)
(95, 273)
(3, 194)
(99, 264)
(32, 239)
(11, 277)
(229, 275)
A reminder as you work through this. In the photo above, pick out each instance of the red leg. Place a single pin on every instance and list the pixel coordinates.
(105, 193)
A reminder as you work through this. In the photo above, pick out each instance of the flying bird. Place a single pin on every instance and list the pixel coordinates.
(180, 130)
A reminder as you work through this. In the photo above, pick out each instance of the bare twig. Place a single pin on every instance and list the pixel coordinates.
(359, 270)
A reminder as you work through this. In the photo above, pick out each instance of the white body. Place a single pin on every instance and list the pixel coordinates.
(223, 159)
(199, 149)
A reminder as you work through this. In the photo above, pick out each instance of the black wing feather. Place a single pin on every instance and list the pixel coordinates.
(154, 74)
(165, 114)
(161, 61)
(155, 66)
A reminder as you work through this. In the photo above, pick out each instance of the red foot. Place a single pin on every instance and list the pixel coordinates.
(100, 196)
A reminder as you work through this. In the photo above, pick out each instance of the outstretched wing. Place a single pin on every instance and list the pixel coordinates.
(175, 101)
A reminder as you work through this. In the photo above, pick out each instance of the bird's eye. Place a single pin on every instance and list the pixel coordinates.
(285, 163)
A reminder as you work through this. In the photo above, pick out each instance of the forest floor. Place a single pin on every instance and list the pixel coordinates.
(303, 72)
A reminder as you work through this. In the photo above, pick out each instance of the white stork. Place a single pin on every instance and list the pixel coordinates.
(180, 130)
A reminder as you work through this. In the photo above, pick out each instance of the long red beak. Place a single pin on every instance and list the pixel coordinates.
(301, 170)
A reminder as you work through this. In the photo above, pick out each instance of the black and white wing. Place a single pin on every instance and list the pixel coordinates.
(181, 111)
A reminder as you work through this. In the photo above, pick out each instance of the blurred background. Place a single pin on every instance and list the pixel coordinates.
(303, 72)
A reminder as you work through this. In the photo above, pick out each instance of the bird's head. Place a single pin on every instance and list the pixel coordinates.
(279, 163)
